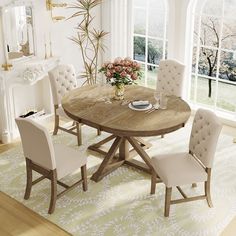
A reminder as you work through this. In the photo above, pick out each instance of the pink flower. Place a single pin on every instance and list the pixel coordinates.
(129, 70)
(123, 74)
(118, 68)
(105, 64)
(122, 63)
(134, 76)
(109, 74)
(110, 66)
(127, 63)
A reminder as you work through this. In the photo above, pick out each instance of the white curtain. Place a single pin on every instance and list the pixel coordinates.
(116, 20)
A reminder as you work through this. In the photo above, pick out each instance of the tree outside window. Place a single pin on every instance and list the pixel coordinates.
(149, 36)
(214, 56)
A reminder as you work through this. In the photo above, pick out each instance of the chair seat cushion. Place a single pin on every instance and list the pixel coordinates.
(178, 169)
(60, 112)
(68, 160)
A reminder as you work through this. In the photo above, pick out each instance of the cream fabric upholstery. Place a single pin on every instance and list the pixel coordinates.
(36, 142)
(68, 160)
(205, 132)
(62, 80)
(178, 169)
(182, 168)
(170, 77)
(38, 147)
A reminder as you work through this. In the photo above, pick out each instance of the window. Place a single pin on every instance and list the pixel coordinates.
(149, 36)
(213, 81)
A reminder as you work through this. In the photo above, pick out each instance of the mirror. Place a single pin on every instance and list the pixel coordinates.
(18, 32)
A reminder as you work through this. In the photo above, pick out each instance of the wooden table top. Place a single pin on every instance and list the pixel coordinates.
(85, 105)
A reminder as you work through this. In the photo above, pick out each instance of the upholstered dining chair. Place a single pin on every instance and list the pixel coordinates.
(191, 167)
(51, 161)
(170, 77)
(62, 80)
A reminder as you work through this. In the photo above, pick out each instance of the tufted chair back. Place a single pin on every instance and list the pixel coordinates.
(62, 79)
(170, 77)
(36, 142)
(204, 136)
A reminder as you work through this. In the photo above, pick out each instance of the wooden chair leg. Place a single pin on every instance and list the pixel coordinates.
(79, 133)
(194, 185)
(53, 178)
(167, 201)
(56, 125)
(99, 132)
(29, 179)
(208, 194)
(207, 186)
(153, 183)
(84, 177)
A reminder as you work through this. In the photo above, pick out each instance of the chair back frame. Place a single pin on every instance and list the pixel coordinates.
(170, 77)
(62, 80)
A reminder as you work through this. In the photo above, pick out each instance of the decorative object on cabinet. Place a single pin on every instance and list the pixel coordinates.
(50, 5)
(88, 38)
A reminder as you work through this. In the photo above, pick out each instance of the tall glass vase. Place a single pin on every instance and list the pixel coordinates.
(119, 91)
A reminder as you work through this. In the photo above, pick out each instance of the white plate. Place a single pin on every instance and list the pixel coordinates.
(139, 109)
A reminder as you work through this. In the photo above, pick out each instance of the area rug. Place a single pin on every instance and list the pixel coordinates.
(120, 204)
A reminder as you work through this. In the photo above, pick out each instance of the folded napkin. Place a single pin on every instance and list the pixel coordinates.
(140, 103)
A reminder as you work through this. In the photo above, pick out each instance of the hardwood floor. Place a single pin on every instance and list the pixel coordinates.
(16, 219)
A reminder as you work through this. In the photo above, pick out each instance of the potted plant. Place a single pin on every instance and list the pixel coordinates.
(88, 38)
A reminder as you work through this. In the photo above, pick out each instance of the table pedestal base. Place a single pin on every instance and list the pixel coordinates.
(113, 161)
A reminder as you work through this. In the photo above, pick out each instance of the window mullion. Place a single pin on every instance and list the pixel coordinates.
(219, 55)
(197, 59)
(146, 43)
(165, 32)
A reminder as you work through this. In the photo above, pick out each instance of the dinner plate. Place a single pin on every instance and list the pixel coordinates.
(139, 109)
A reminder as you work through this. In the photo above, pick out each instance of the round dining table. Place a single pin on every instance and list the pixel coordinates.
(93, 105)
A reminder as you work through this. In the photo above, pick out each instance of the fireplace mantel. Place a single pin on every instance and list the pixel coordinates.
(22, 75)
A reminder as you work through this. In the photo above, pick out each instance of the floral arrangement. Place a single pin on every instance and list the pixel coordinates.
(122, 71)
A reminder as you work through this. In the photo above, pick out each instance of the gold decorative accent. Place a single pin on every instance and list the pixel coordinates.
(58, 18)
(50, 5)
(7, 66)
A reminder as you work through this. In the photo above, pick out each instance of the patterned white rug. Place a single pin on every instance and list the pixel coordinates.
(120, 204)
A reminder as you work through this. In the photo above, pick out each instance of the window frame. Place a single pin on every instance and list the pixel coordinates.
(147, 37)
(194, 73)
